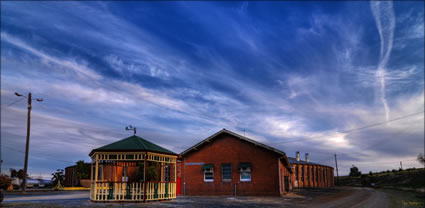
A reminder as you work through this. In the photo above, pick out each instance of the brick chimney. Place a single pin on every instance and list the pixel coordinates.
(307, 157)
(298, 155)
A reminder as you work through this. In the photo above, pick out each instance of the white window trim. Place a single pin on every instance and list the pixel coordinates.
(209, 180)
(245, 180)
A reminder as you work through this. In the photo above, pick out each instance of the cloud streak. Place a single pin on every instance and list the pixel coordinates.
(385, 21)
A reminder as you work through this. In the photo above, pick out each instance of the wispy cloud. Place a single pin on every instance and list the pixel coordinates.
(385, 21)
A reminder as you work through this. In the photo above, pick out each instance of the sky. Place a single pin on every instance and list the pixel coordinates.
(292, 75)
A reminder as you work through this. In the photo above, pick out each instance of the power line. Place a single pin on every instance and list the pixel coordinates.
(386, 163)
(16, 101)
(352, 130)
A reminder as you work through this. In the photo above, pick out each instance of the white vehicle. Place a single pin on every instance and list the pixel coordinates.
(16, 182)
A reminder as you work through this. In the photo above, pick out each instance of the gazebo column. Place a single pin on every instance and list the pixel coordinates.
(91, 179)
(95, 176)
(144, 177)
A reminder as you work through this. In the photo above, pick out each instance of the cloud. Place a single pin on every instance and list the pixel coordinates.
(385, 22)
(79, 69)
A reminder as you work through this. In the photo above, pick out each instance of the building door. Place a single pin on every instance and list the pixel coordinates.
(178, 177)
(286, 182)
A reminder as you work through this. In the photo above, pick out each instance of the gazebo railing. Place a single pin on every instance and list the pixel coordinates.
(123, 191)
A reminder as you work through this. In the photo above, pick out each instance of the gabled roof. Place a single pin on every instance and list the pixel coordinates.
(132, 144)
(225, 131)
(293, 160)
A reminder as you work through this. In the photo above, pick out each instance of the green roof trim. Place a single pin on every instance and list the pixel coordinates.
(244, 165)
(207, 166)
(133, 143)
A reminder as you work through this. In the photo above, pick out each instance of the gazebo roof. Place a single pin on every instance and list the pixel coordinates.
(132, 144)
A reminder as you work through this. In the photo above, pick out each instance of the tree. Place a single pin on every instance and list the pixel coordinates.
(58, 176)
(354, 171)
(421, 159)
(21, 174)
(152, 172)
(13, 173)
(82, 170)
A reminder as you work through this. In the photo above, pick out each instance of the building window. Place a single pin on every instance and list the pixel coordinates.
(245, 174)
(208, 172)
(308, 174)
(226, 172)
(245, 171)
(296, 173)
(302, 173)
(315, 171)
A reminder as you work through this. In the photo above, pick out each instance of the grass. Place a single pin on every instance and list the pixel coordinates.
(405, 199)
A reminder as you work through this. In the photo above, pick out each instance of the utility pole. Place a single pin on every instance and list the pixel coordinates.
(401, 165)
(27, 146)
(336, 165)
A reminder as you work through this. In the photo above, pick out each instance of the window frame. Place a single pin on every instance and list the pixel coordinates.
(222, 172)
(297, 177)
(302, 173)
(247, 170)
(208, 170)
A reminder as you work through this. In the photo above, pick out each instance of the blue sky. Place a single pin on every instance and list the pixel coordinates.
(288, 74)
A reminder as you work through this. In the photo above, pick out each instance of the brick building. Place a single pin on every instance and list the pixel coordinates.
(70, 177)
(227, 163)
(306, 174)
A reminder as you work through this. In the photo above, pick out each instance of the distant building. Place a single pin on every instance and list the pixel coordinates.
(70, 179)
(306, 174)
(227, 163)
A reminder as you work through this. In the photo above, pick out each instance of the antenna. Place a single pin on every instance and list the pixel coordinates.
(129, 128)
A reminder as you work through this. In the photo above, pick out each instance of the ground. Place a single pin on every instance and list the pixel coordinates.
(337, 197)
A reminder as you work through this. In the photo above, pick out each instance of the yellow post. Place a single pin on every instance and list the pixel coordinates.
(175, 180)
(95, 176)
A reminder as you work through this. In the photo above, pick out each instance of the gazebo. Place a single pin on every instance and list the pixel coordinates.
(132, 170)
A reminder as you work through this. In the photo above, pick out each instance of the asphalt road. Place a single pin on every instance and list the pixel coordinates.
(353, 197)
(339, 197)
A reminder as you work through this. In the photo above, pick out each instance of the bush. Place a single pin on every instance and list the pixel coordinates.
(4, 182)
(354, 172)
(58, 176)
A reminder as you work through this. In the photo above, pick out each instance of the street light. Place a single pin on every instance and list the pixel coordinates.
(27, 146)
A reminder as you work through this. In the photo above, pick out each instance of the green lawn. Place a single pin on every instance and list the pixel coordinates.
(405, 199)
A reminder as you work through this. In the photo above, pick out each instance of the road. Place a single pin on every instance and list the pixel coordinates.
(339, 197)
(354, 197)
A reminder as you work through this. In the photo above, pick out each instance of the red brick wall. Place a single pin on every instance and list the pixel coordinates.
(229, 149)
(324, 176)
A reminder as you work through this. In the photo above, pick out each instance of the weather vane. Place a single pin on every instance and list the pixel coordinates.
(129, 127)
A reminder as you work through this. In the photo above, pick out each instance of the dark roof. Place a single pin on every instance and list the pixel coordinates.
(133, 143)
(225, 131)
(294, 161)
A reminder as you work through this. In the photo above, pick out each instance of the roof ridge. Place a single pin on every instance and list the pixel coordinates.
(140, 142)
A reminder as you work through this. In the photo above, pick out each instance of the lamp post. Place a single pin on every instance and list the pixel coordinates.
(27, 146)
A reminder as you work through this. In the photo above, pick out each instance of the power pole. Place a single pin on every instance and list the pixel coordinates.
(336, 165)
(401, 165)
(27, 146)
